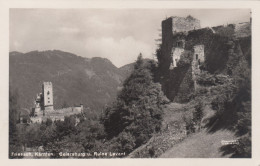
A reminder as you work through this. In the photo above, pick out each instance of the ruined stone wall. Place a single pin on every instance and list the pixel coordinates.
(176, 54)
(181, 24)
(64, 111)
(210, 46)
(167, 44)
(215, 47)
(243, 29)
(169, 41)
(56, 117)
(225, 30)
(175, 75)
(212, 49)
(199, 53)
(58, 114)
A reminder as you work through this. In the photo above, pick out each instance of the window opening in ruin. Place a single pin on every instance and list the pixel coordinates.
(199, 61)
(196, 56)
(179, 44)
(48, 93)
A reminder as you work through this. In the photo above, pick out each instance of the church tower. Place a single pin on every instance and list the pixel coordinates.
(47, 92)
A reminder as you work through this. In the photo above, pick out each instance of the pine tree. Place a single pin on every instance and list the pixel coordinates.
(138, 109)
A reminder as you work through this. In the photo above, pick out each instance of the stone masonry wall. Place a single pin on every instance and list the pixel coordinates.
(58, 114)
(181, 24)
(176, 54)
(210, 45)
(199, 53)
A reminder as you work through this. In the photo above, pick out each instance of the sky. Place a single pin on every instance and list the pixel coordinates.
(116, 34)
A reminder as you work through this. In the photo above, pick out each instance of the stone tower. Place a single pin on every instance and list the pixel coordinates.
(175, 24)
(199, 53)
(198, 59)
(47, 92)
(173, 39)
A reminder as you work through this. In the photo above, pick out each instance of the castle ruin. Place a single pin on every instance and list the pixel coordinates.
(186, 47)
(43, 107)
(44, 100)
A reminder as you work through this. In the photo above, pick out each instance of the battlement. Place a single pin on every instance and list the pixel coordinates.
(180, 24)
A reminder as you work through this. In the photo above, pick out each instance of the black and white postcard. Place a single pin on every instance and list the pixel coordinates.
(128, 80)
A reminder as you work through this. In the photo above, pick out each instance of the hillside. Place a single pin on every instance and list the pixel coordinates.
(172, 142)
(185, 134)
(92, 82)
(211, 97)
(200, 145)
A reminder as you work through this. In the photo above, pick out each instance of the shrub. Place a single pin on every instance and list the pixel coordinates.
(198, 114)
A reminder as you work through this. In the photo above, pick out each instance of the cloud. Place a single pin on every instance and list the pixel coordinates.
(120, 52)
(69, 30)
(117, 34)
(16, 45)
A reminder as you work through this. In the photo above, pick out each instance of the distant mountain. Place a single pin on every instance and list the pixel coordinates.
(128, 68)
(93, 82)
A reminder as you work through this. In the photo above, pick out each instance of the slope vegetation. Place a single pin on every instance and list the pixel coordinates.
(201, 145)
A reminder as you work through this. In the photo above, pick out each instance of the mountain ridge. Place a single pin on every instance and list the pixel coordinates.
(90, 81)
